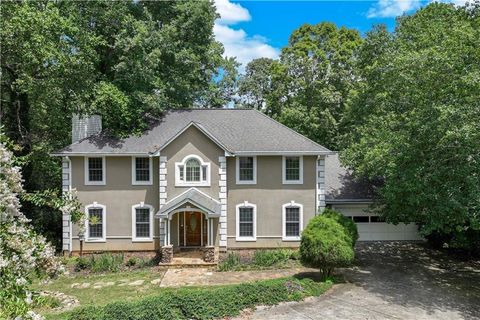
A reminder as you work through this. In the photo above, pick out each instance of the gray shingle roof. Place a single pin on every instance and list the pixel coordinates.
(341, 186)
(236, 130)
(195, 197)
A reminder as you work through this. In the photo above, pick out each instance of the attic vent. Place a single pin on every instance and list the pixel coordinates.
(85, 126)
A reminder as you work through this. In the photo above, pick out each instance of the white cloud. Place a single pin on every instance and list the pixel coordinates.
(237, 42)
(231, 13)
(392, 8)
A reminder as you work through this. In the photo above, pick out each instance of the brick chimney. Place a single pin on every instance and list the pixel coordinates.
(85, 126)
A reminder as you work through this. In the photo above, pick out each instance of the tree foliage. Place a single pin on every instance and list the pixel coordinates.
(326, 245)
(416, 121)
(120, 59)
(24, 255)
(310, 86)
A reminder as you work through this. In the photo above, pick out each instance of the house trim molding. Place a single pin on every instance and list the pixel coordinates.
(142, 205)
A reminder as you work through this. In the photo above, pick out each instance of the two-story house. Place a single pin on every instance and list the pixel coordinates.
(208, 178)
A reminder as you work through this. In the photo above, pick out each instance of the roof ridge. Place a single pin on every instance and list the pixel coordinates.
(299, 134)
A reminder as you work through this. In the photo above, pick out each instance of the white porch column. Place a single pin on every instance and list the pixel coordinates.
(168, 231)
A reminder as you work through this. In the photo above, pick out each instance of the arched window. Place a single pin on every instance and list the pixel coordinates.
(142, 222)
(95, 223)
(192, 171)
(292, 221)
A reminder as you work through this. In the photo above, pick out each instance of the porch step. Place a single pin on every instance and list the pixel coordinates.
(180, 262)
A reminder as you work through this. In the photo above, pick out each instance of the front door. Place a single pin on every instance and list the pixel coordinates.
(193, 230)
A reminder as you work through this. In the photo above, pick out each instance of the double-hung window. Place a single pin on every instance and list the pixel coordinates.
(95, 170)
(95, 223)
(292, 170)
(246, 170)
(292, 221)
(142, 222)
(246, 222)
(142, 170)
(192, 171)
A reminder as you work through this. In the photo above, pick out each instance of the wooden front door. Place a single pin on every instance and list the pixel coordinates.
(193, 228)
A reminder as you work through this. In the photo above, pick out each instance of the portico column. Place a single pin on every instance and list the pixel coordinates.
(168, 231)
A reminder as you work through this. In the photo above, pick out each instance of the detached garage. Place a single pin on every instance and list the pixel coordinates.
(352, 198)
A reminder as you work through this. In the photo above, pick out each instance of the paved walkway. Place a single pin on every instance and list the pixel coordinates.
(393, 281)
(204, 277)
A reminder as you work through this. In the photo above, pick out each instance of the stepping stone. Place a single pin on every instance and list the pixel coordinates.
(136, 283)
(74, 285)
(156, 281)
(97, 287)
(84, 285)
(108, 284)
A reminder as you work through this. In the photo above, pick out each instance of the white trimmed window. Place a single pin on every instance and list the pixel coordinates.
(246, 222)
(292, 222)
(292, 170)
(246, 170)
(95, 223)
(142, 223)
(192, 171)
(95, 170)
(142, 170)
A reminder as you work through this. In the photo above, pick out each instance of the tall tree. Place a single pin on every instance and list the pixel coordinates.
(309, 88)
(120, 59)
(417, 121)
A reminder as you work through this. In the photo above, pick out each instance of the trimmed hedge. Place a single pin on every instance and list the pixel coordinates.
(204, 303)
(326, 245)
(348, 224)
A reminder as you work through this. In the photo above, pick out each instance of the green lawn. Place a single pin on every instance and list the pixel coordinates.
(106, 294)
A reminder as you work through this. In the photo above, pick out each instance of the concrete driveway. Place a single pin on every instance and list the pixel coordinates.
(393, 281)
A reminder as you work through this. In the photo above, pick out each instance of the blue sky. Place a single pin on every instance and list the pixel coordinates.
(254, 29)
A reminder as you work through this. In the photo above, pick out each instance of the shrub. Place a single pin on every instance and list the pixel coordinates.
(230, 263)
(106, 262)
(132, 261)
(82, 263)
(325, 245)
(268, 258)
(204, 303)
(348, 224)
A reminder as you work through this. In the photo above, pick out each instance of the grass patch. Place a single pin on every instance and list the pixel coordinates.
(261, 259)
(204, 303)
(106, 294)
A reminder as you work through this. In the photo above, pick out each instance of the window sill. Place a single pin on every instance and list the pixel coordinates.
(292, 182)
(246, 239)
(246, 182)
(190, 184)
(142, 240)
(291, 238)
(95, 240)
(142, 183)
(95, 183)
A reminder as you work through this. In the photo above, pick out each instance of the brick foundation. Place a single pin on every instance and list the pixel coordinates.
(209, 254)
(166, 254)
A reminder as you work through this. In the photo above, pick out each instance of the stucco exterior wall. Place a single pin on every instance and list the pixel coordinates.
(118, 195)
(192, 142)
(269, 194)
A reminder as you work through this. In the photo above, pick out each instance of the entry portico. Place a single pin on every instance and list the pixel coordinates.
(190, 220)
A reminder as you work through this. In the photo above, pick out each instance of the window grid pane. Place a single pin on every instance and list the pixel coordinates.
(292, 222)
(246, 168)
(142, 222)
(292, 168)
(246, 222)
(95, 170)
(95, 230)
(142, 169)
(192, 172)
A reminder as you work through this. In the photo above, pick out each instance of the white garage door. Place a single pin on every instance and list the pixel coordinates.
(373, 228)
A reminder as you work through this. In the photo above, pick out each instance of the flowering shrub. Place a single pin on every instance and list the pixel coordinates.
(23, 253)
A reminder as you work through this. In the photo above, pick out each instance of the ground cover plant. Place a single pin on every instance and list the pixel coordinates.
(261, 259)
(204, 303)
